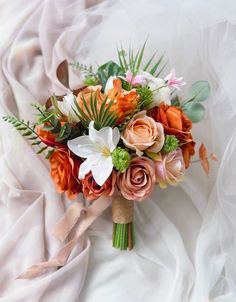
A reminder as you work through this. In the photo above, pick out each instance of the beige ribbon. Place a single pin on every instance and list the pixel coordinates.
(75, 214)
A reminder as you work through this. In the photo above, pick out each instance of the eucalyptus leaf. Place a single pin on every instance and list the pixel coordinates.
(199, 91)
(107, 70)
(194, 111)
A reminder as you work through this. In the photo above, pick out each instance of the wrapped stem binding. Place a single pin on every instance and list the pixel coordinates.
(123, 228)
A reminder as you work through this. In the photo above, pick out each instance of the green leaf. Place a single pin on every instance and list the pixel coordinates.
(108, 69)
(49, 154)
(194, 111)
(140, 57)
(27, 133)
(64, 133)
(36, 143)
(154, 68)
(42, 149)
(149, 62)
(199, 91)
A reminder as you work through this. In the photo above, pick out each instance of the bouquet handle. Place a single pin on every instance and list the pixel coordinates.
(123, 228)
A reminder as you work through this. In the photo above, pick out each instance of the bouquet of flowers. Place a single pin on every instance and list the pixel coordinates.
(125, 131)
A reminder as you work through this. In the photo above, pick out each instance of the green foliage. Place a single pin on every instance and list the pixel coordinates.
(51, 122)
(102, 117)
(91, 80)
(198, 93)
(87, 69)
(194, 111)
(135, 62)
(171, 143)
(146, 96)
(121, 159)
(107, 70)
(27, 131)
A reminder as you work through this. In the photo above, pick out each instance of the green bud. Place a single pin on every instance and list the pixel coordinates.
(146, 96)
(171, 143)
(90, 80)
(121, 159)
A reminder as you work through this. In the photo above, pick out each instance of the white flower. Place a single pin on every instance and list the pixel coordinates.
(96, 148)
(161, 93)
(66, 107)
(109, 83)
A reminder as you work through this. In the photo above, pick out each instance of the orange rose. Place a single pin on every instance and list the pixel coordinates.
(177, 123)
(64, 172)
(93, 191)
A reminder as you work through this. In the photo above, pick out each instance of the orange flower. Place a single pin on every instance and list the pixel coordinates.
(177, 123)
(86, 93)
(64, 172)
(46, 136)
(93, 191)
(125, 102)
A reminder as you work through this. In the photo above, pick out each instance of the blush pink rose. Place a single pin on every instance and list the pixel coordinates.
(137, 182)
(170, 168)
(93, 191)
(143, 133)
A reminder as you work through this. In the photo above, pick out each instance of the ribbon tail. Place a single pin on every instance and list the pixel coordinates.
(91, 214)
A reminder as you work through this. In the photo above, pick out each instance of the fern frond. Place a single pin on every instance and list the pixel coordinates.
(102, 117)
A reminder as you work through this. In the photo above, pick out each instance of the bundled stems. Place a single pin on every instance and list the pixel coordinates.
(123, 228)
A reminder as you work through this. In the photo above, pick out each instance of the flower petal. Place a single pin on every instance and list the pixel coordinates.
(102, 169)
(82, 146)
(85, 168)
(104, 136)
(115, 136)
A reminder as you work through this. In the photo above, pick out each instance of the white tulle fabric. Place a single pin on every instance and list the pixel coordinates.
(186, 236)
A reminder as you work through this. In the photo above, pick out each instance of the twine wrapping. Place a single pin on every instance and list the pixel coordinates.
(122, 210)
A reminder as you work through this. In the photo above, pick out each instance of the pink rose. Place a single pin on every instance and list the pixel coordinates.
(137, 181)
(93, 191)
(170, 168)
(143, 133)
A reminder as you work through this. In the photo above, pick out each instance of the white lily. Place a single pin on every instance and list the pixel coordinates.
(66, 107)
(96, 148)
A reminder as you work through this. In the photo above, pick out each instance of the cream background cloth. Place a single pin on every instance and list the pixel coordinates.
(186, 236)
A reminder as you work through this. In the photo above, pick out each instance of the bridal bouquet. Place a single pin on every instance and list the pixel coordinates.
(125, 131)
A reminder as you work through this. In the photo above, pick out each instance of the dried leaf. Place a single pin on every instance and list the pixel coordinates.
(213, 157)
(63, 74)
(204, 158)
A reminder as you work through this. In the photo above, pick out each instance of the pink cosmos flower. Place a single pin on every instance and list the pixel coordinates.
(134, 80)
(169, 168)
(173, 81)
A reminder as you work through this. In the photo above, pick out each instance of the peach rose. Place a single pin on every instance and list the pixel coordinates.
(143, 133)
(64, 172)
(137, 182)
(93, 191)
